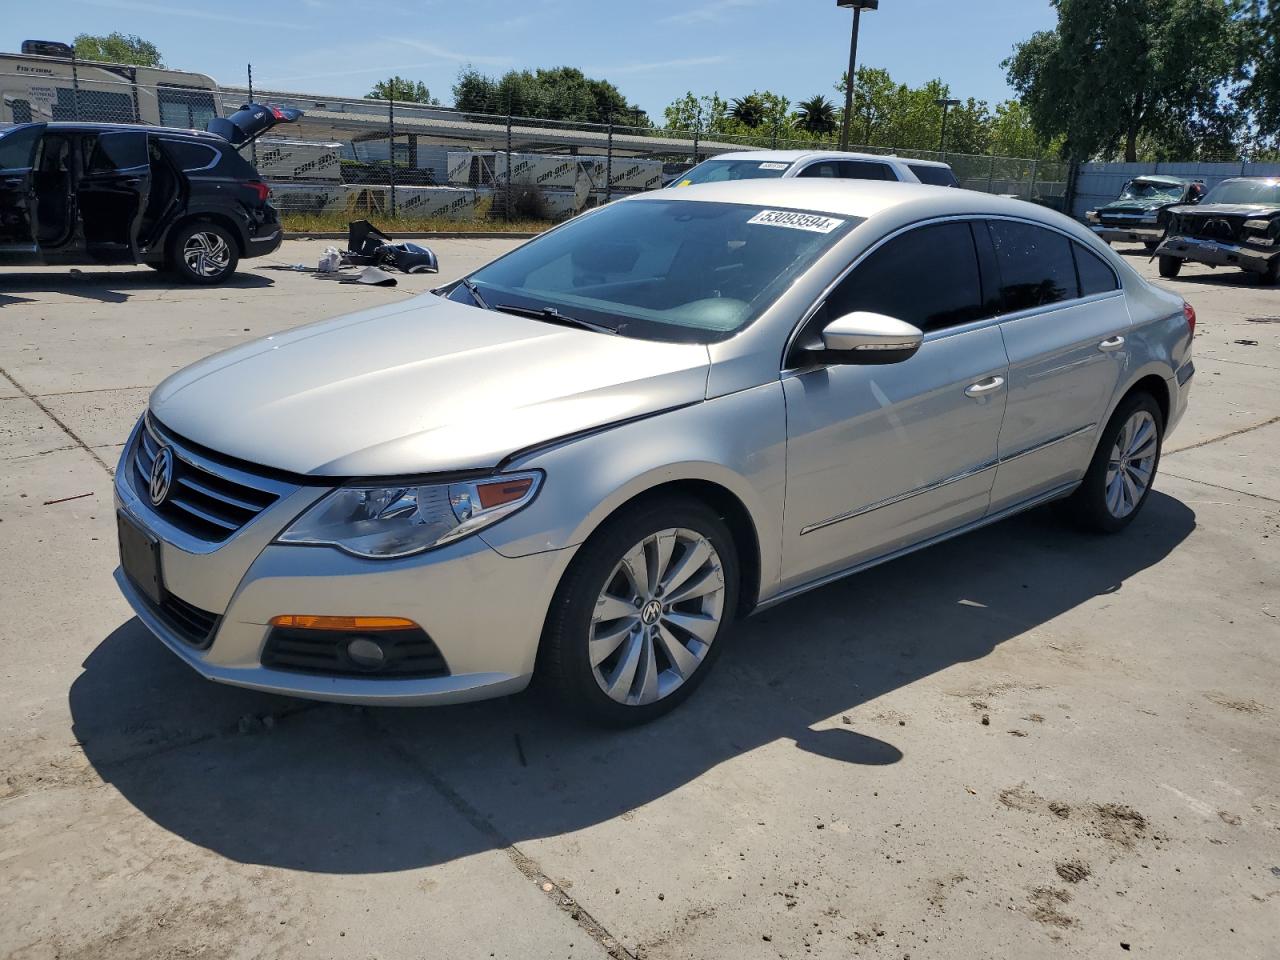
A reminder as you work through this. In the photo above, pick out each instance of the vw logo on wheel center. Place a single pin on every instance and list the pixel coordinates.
(651, 612)
(161, 476)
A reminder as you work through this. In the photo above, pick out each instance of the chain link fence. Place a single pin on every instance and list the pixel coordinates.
(351, 158)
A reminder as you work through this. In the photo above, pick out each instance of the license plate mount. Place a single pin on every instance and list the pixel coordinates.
(140, 558)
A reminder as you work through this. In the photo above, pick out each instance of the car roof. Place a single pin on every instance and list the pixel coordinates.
(1161, 178)
(865, 199)
(791, 156)
(113, 127)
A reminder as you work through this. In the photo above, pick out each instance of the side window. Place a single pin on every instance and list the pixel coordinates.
(1036, 266)
(189, 156)
(1095, 275)
(825, 168)
(865, 170)
(17, 148)
(927, 277)
(936, 176)
(118, 151)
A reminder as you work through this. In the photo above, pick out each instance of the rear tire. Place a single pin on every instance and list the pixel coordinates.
(615, 648)
(1123, 468)
(203, 253)
(1170, 267)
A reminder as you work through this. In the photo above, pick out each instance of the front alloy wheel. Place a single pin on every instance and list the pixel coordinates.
(657, 616)
(642, 612)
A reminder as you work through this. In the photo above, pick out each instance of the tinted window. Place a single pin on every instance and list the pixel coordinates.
(715, 171)
(928, 277)
(937, 176)
(189, 156)
(1095, 275)
(118, 151)
(848, 170)
(16, 147)
(1036, 266)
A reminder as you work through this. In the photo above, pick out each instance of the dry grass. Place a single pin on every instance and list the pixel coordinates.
(337, 222)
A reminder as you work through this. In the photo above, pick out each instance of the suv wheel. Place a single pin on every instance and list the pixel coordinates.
(204, 253)
(641, 613)
(1271, 276)
(1123, 468)
(1170, 267)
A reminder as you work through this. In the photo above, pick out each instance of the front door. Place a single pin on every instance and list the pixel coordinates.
(883, 457)
(17, 224)
(112, 194)
(1066, 338)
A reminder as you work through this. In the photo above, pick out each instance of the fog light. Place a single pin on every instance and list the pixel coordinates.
(366, 653)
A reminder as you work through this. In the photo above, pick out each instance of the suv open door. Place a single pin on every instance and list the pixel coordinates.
(112, 195)
(17, 223)
(250, 122)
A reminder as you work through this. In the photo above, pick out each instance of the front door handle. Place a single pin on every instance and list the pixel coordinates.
(980, 389)
(1111, 345)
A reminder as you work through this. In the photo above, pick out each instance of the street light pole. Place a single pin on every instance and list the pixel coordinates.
(858, 6)
(945, 105)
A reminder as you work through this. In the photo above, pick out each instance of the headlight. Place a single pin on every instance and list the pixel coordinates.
(386, 522)
(1092, 216)
(1263, 225)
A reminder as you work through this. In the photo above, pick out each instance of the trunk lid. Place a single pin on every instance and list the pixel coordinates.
(250, 122)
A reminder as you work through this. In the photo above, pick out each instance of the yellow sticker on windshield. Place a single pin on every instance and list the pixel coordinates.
(812, 222)
(685, 183)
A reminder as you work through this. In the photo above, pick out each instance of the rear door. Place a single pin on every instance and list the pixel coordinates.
(1065, 330)
(882, 457)
(17, 150)
(112, 194)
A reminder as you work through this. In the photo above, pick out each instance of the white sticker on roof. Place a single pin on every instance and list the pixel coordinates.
(814, 223)
(774, 166)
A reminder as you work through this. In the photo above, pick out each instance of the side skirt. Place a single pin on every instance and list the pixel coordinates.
(1057, 493)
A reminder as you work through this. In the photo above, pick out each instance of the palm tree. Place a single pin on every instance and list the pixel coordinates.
(817, 115)
(748, 110)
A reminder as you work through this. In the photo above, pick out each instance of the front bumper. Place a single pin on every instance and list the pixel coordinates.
(483, 611)
(1215, 253)
(1126, 234)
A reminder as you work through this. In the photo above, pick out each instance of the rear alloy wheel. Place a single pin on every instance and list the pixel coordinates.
(637, 620)
(1170, 267)
(1123, 468)
(204, 253)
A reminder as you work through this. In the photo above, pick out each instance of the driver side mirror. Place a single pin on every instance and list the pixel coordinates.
(865, 338)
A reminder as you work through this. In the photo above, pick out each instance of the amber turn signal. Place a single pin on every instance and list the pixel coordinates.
(296, 621)
(498, 492)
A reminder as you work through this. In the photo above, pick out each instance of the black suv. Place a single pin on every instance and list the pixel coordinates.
(177, 200)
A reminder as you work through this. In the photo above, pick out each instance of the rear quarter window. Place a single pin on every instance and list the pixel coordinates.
(1095, 275)
(936, 176)
(188, 156)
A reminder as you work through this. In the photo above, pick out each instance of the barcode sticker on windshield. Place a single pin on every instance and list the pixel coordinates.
(774, 166)
(797, 221)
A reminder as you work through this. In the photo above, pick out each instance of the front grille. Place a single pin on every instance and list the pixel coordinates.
(409, 653)
(1223, 229)
(207, 500)
(191, 624)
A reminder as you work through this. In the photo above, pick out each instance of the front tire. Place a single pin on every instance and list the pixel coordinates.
(1170, 267)
(1271, 276)
(203, 253)
(641, 613)
(1123, 469)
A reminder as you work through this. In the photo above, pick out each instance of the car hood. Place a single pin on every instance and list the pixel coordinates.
(1226, 209)
(1135, 206)
(424, 386)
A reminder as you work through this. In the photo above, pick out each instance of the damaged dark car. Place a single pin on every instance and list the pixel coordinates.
(1236, 225)
(1134, 217)
(182, 201)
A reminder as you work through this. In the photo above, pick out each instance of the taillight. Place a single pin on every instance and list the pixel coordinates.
(1189, 312)
(260, 188)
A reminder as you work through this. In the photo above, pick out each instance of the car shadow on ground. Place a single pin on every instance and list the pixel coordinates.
(337, 789)
(107, 286)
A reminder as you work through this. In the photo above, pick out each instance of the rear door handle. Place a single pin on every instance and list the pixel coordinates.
(1111, 345)
(983, 387)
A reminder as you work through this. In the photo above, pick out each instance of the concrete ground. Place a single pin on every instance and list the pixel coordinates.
(1027, 742)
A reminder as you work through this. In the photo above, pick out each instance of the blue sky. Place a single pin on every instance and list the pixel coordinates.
(654, 50)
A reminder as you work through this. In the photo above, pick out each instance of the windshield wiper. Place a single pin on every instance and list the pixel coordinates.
(552, 315)
(472, 289)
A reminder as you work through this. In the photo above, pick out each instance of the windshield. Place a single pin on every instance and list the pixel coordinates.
(1152, 190)
(655, 269)
(1250, 192)
(717, 171)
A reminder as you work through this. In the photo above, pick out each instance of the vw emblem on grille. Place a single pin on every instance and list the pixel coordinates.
(161, 476)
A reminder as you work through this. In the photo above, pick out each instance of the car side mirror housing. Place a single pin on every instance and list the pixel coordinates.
(865, 338)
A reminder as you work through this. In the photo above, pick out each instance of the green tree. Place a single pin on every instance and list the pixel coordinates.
(1260, 26)
(559, 93)
(816, 117)
(118, 48)
(691, 112)
(1113, 72)
(873, 103)
(748, 111)
(398, 88)
(1012, 135)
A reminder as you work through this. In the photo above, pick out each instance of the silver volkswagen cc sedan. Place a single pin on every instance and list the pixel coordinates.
(586, 459)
